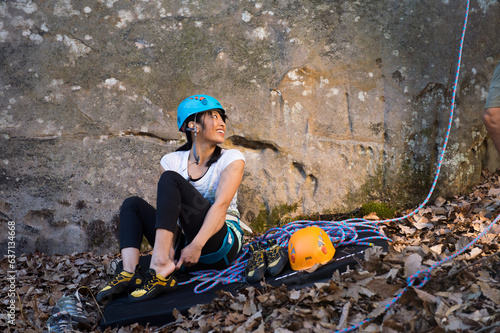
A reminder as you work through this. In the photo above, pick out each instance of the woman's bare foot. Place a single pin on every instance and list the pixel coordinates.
(163, 267)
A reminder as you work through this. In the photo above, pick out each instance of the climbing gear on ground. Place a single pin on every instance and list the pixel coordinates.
(256, 267)
(68, 314)
(122, 283)
(342, 233)
(196, 104)
(154, 285)
(276, 258)
(309, 247)
(113, 266)
(60, 322)
(73, 305)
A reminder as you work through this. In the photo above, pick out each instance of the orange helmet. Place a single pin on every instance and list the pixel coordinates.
(309, 247)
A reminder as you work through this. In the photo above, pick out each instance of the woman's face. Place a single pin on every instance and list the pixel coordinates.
(214, 127)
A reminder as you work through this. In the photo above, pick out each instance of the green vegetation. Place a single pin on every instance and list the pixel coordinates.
(278, 216)
(381, 209)
(283, 214)
(407, 189)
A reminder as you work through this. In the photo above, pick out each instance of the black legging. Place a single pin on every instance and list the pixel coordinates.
(176, 199)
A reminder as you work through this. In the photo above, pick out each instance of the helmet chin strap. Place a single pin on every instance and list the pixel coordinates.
(196, 157)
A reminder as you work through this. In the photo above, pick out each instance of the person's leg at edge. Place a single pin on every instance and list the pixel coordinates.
(491, 120)
(491, 114)
(174, 192)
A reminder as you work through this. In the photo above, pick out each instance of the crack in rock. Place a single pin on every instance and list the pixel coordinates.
(252, 144)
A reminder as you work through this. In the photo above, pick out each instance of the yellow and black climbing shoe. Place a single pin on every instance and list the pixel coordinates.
(256, 266)
(154, 285)
(122, 283)
(276, 258)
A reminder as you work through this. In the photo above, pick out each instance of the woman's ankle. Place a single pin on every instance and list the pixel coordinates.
(163, 267)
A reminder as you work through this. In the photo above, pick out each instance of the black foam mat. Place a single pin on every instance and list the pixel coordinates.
(158, 311)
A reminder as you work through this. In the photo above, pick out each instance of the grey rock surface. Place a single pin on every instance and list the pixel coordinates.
(333, 103)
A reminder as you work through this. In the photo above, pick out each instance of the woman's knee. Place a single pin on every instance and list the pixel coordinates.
(131, 203)
(169, 177)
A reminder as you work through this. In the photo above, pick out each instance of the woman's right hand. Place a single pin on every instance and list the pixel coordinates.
(189, 255)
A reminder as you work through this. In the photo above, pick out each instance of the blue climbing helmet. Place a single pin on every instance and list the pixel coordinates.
(196, 104)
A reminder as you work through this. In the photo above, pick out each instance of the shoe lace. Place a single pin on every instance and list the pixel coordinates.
(149, 283)
(117, 279)
(71, 304)
(273, 253)
(256, 260)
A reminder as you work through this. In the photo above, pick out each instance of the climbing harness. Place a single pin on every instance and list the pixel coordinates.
(227, 244)
(233, 235)
(345, 232)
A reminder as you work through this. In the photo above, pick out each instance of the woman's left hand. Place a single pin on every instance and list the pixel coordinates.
(189, 255)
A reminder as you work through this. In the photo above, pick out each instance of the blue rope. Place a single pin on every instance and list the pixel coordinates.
(344, 232)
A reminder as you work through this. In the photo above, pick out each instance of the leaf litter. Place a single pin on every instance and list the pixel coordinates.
(462, 295)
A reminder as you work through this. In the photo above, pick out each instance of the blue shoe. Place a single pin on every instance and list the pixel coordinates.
(60, 322)
(72, 305)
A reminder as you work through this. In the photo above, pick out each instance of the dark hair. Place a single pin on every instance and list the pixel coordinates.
(199, 120)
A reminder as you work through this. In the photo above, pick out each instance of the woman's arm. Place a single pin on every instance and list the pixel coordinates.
(229, 182)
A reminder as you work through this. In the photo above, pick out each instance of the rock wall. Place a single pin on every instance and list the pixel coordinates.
(333, 103)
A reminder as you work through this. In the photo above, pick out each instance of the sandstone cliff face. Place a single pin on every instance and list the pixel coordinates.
(333, 103)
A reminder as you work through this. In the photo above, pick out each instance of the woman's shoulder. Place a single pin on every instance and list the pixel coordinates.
(174, 154)
(232, 155)
(228, 156)
(173, 158)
